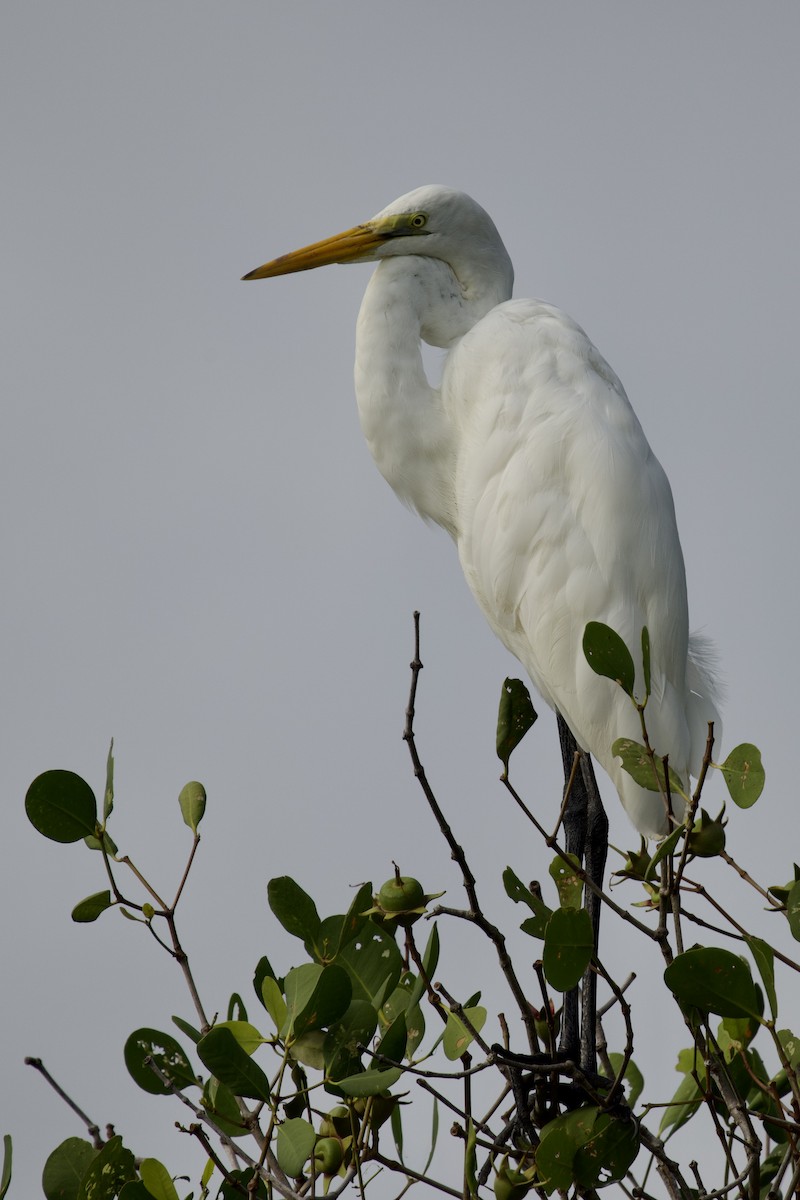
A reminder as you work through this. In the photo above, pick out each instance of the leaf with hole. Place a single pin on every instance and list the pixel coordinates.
(167, 1054)
(107, 1172)
(340, 1047)
(644, 769)
(515, 716)
(744, 774)
(457, 1036)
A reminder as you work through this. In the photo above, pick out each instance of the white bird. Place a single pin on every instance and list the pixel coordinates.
(531, 457)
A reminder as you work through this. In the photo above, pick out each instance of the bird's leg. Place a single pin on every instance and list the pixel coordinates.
(594, 861)
(586, 836)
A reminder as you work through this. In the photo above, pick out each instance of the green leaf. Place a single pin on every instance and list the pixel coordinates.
(221, 1104)
(516, 891)
(102, 840)
(354, 920)
(632, 1077)
(5, 1174)
(607, 655)
(157, 1179)
(471, 1161)
(397, 1132)
(107, 1172)
(393, 1043)
(295, 910)
(587, 1147)
(65, 1168)
(246, 1034)
(764, 958)
(735, 1034)
(791, 1047)
(274, 1002)
(683, 1105)
(430, 961)
(237, 1185)
(607, 1155)
(642, 767)
(91, 908)
(168, 1056)
(134, 1189)
(744, 774)
(664, 849)
(236, 1008)
(341, 1055)
(457, 1037)
(108, 797)
(308, 1049)
(192, 800)
(646, 659)
(61, 806)
(316, 996)
(295, 1143)
(793, 910)
(713, 980)
(373, 962)
(565, 871)
(233, 1066)
(568, 947)
(263, 971)
(188, 1029)
(369, 1083)
(514, 718)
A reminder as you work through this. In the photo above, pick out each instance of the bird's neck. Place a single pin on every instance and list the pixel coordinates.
(409, 433)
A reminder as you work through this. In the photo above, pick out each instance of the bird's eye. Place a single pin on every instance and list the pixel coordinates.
(418, 220)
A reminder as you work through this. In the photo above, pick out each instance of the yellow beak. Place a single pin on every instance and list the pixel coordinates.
(351, 245)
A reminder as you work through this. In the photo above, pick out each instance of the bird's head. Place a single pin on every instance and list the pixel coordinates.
(432, 221)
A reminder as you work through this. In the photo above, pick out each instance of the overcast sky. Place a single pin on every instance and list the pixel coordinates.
(199, 557)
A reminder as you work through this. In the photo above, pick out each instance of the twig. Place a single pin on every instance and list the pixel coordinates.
(458, 1010)
(92, 1128)
(653, 934)
(457, 853)
(402, 1169)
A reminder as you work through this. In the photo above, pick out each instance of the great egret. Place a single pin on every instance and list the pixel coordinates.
(530, 456)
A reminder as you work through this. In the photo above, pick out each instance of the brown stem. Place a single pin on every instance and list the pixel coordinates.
(476, 914)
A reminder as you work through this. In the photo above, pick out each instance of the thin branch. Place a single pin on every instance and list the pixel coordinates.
(653, 934)
(458, 856)
(187, 869)
(92, 1128)
(402, 1169)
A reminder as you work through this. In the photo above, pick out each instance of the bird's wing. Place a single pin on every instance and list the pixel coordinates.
(565, 516)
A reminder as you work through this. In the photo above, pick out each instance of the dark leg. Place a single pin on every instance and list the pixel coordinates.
(586, 836)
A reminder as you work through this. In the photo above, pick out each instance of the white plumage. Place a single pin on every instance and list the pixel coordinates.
(531, 457)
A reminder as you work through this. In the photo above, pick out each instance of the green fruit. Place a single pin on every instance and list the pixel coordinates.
(328, 1155)
(337, 1123)
(510, 1184)
(401, 895)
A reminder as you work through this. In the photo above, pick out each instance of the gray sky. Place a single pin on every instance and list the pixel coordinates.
(199, 557)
